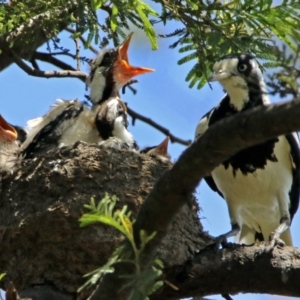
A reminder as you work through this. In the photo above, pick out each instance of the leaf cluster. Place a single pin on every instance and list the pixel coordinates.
(121, 16)
(144, 281)
(215, 28)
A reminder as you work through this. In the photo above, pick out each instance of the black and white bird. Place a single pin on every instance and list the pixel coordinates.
(70, 121)
(110, 71)
(160, 151)
(260, 184)
(10, 141)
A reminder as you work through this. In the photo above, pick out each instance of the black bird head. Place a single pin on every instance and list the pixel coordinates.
(110, 71)
(242, 79)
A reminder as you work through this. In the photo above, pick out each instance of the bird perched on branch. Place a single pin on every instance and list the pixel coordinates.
(70, 121)
(10, 140)
(160, 151)
(261, 183)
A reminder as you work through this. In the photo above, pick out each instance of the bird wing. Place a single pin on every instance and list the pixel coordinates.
(203, 124)
(293, 140)
(46, 131)
(200, 130)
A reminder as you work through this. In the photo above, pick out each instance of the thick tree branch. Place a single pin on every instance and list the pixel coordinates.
(160, 128)
(221, 141)
(35, 32)
(251, 270)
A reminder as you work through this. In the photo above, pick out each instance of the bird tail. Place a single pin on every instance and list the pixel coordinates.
(246, 236)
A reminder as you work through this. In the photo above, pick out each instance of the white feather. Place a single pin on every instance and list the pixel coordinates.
(258, 200)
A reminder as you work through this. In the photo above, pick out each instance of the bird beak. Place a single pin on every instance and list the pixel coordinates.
(124, 71)
(162, 148)
(7, 132)
(218, 76)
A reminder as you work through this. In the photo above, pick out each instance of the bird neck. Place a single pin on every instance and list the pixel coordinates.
(245, 94)
(120, 130)
(102, 87)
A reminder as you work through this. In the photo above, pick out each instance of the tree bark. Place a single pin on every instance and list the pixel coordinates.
(41, 243)
(25, 39)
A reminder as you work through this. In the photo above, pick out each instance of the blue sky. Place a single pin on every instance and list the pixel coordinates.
(163, 96)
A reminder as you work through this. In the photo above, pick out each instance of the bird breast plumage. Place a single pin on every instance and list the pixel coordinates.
(83, 129)
(271, 185)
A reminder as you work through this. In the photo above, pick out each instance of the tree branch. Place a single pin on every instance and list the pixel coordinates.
(46, 74)
(50, 58)
(250, 269)
(34, 31)
(221, 141)
(160, 128)
(69, 71)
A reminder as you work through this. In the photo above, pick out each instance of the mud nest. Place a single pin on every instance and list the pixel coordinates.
(40, 238)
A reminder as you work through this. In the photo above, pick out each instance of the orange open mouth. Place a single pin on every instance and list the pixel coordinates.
(7, 132)
(124, 70)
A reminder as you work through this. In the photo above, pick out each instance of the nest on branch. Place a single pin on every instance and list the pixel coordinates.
(41, 241)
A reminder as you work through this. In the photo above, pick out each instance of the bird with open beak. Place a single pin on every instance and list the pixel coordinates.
(160, 151)
(70, 121)
(110, 71)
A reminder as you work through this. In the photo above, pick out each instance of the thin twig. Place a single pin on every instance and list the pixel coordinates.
(83, 40)
(34, 64)
(160, 128)
(46, 74)
(77, 53)
(49, 58)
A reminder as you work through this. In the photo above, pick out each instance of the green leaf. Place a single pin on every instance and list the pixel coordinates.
(140, 8)
(88, 219)
(113, 17)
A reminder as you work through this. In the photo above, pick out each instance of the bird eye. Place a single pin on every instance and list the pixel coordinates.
(120, 110)
(243, 67)
(107, 59)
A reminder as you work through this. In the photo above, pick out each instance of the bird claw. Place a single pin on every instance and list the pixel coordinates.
(274, 240)
(220, 242)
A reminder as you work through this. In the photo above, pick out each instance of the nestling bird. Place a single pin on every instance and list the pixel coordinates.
(160, 151)
(70, 121)
(110, 71)
(9, 146)
(260, 184)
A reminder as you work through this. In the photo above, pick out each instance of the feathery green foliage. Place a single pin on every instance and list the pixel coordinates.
(216, 28)
(205, 29)
(145, 281)
(83, 16)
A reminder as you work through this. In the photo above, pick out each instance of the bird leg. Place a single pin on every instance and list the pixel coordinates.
(274, 238)
(222, 239)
